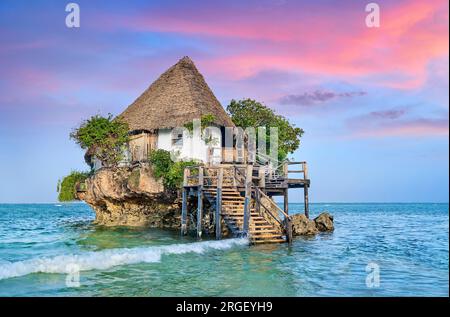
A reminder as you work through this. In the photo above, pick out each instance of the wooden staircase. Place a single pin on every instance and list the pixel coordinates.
(232, 211)
(240, 195)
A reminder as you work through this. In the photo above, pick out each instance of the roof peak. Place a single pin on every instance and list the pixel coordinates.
(185, 59)
(178, 96)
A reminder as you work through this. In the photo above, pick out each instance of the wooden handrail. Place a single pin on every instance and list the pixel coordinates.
(273, 203)
(271, 214)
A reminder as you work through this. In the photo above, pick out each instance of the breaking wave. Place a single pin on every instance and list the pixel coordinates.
(106, 259)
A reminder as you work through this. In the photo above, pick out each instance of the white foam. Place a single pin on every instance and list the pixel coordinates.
(105, 259)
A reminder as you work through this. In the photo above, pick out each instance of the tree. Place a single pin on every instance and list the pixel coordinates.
(171, 172)
(105, 135)
(251, 113)
(67, 186)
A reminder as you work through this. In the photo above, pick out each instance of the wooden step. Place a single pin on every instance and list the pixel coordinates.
(241, 215)
(268, 235)
(230, 214)
(268, 241)
(265, 234)
(241, 219)
(262, 226)
(253, 229)
(224, 193)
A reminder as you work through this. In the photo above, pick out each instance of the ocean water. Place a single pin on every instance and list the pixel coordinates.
(375, 250)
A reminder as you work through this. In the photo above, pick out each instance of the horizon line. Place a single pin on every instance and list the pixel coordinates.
(295, 202)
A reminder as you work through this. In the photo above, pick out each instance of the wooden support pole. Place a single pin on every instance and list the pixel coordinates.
(200, 202)
(258, 201)
(219, 204)
(285, 169)
(248, 188)
(184, 205)
(186, 174)
(286, 201)
(288, 223)
(306, 201)
(184, 213)
(262, 176)
(287, 219)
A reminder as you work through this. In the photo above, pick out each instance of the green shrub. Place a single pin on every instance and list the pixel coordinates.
(107, 136)
(171, 172)
(161, 162)
(206, 120)
(251, 113)
(67, 186)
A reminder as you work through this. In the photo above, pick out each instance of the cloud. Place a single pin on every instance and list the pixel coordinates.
(317, 96)
(397, 122)
(389, 114)
(412, 34)
(413, 128)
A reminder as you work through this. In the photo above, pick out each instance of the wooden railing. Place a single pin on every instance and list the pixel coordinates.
(302, 170)
(242, 176)
(285, 171)
(286, 225)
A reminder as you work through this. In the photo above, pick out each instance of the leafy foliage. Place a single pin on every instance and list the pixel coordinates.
(171, 172)
(106, 135)
(161, 162)
(251, 113)
(205, 121)
(67, 186)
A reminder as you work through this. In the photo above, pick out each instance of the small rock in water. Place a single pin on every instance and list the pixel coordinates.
(304, 226)
(324, 222)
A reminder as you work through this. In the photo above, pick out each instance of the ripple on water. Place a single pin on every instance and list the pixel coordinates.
(409, 242)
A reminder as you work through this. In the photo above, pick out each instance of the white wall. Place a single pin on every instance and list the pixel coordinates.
(193, 146)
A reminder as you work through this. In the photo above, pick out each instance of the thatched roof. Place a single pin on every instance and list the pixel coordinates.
(177, 97)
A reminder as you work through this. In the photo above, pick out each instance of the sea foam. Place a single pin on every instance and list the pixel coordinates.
(105, 259)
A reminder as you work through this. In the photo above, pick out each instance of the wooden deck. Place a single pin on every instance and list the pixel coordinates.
(241, 197)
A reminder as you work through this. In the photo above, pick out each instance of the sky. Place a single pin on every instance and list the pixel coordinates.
(374, 102)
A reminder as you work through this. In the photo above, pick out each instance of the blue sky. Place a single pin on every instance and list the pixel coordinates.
(373, 102)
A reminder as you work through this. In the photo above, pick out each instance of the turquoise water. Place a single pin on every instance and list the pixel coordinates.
(41, 243)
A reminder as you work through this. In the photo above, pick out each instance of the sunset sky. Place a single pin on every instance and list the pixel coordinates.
(374, 102)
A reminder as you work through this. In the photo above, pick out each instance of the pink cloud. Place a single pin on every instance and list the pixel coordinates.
(415, 128)
(326, 41)
(397, 122)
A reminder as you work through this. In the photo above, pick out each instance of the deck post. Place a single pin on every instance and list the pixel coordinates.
(305, 170)
(305, 190)
(248, 188)
(285, 169)
(200, 202)
(184, 205)
(287, 219)
(258, 201)
(219, 204)
(289, 230)
(286, 201)
(184, 213)
(262, 176)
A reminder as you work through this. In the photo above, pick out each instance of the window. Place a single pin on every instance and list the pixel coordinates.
(177, 138)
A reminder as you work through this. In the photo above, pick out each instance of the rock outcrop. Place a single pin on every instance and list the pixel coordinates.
(131, 197)
(303, 226)
(324, 222)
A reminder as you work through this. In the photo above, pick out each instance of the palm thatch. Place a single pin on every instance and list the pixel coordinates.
(177, 97)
